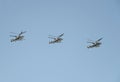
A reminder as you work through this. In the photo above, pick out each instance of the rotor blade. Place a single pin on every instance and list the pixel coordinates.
(60, 35)
(22, 33)
(51, 37)
(13, 33)
(12, 36)
(99, 39)
(91, 42)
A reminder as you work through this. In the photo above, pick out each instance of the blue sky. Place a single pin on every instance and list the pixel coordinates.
(34, 60)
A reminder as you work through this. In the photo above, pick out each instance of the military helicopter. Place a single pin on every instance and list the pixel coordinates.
(19, 37)
(97, 43)
(57, 39)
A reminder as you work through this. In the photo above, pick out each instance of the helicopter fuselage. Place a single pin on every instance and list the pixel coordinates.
(17, 38)
(97, 44)
(56, 40)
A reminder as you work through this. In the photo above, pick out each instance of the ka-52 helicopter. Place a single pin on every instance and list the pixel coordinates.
(57, 39)
(18, 37)
(97, 43)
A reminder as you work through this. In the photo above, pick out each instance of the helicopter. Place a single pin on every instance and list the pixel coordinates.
(97, 43)
(57, 39)
(18, 37)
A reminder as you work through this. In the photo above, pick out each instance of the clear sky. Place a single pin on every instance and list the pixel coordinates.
(34, 60)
